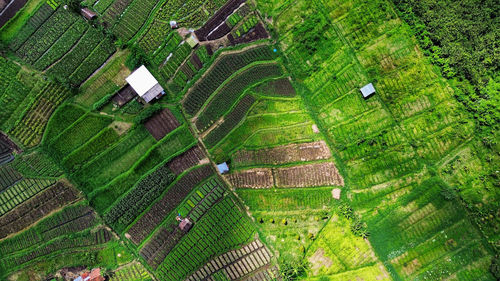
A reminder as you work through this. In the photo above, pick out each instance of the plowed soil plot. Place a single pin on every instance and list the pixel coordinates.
(10, 10)
(218, 19)
(186, 160)
(253, 178)
(37, 207)
(161, 124)
(195, 60)
(282, 154)
(123, 96)
(257, 33)
(320, 174)
(278, 87)
(167, 203)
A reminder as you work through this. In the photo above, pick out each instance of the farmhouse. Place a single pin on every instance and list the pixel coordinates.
(144, 84)
(367, 90)
(223, 168)
(88, 14)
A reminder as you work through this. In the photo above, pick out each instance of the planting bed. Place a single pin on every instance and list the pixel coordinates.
(320, 174)
(226, 96)
(235, 264)
(186, 160)
(167, 203)
(252, 178)
(8, 177)
(11, 8)
(282, 154)
(36, 208)
(258, 32)
(124, 95)
(278, 87)
(224, 67)
(20, 192)
(161, 124)
(212, 28)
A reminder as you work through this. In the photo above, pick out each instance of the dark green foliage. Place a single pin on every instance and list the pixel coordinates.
(63, 117)
(136, 58)
(93, 147)
(231, 91)
(127, 208)
(460, 37)
(77, 134)
(230, 121)
(144, 115)
(495, 267)
(293, 270)
(102, 102)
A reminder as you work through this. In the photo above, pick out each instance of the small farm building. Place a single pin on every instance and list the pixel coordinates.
(185, 225)
(192, 41)
(88, 14)
(144, 84)
(223, 168)
(173, 24)
(367, 90)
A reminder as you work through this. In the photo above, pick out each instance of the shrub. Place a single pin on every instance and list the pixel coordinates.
(146, 113)
(102, 102)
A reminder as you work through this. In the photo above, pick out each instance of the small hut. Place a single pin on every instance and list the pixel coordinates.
(185, 225)
(88, 14)
(173, 24)
(367, 90)
(223, 168)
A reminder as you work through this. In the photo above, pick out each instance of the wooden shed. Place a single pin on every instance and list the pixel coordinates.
(88, 14)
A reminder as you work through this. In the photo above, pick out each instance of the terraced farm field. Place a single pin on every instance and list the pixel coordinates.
(253, 154)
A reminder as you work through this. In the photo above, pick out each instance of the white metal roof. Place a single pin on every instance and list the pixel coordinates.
(223, 168)
(141, 80)
(368, 90)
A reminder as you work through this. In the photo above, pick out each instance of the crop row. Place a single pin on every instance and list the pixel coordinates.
(194, 207)
(62, 45)
(32, 210)
(218, 19)
(168, 202)
(221, 229)
(14, 94)
(236, 263)
(174, 61)
(34, 22)
(226, 97)
(8, 177)
(231, 120)
(186, 160)
(78, 134)
(70, 62)
(161, 124)
(64, 243)
(46, 35)
(114, 11)
(102, 5)
(20, 192)
(277, 87)
(63, 117)
(123, 212)
(154, 36)
(95, 59)
(134, 271)
(36, 164)
(219, 72)
(97, 144)
(133, 18)
(30, 128)
(172, 41)
(282, 154)
(70, 219)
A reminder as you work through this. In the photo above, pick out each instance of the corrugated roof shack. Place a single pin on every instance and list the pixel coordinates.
(88, 14)
(144, 84)
(185, 225)
(367, 90)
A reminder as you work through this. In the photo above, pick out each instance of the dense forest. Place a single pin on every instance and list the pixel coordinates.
(463, 38)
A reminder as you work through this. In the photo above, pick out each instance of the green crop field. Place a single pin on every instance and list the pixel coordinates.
(232, 140)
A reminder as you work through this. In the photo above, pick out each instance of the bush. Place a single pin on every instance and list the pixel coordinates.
(147, 113)
(102, 102)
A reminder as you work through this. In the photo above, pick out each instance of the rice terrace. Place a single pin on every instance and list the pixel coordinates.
(250, 140)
